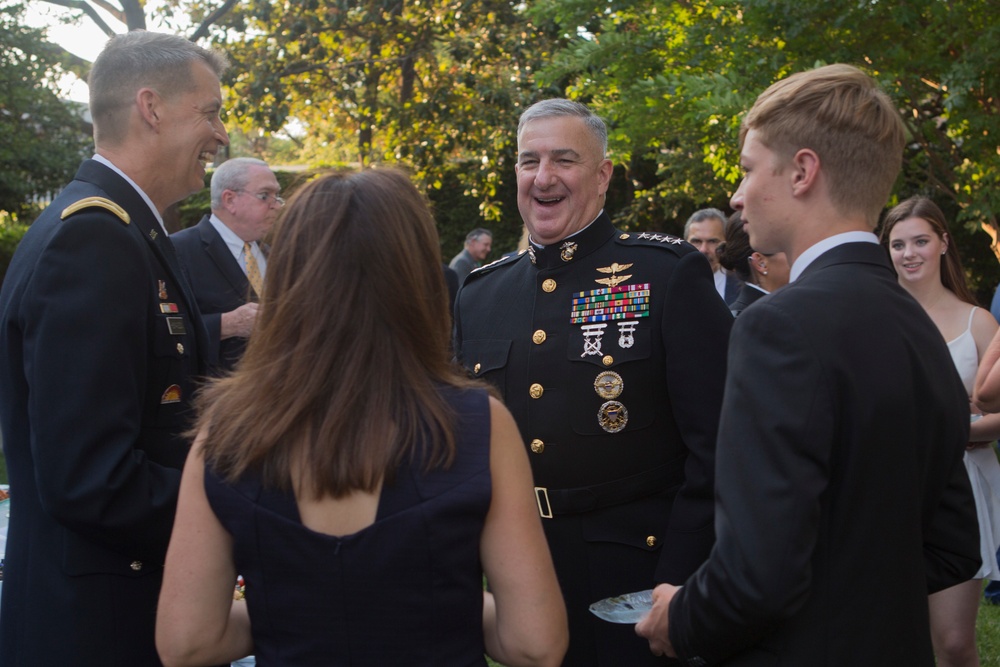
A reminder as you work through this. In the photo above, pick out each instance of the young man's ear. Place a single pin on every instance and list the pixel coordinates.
(805, 170)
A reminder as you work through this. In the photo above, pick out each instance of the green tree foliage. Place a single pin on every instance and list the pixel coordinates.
(675, 78)
(43, 140)
(418, 82)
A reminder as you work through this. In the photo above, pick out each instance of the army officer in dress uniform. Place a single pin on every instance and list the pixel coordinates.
(101, 341)
(610, 351)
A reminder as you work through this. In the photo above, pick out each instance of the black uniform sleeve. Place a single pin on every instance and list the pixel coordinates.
(695, 331)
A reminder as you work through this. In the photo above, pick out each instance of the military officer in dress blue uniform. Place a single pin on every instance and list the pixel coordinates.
(101, 342)
(610, 351)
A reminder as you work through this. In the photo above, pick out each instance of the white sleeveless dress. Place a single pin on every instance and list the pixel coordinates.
(981, 463)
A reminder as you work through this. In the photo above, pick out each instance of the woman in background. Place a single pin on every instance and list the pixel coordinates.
(761, 274)
(929, 268)
(358, 482)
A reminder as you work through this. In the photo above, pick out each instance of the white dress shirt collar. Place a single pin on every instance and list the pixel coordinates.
(235, 245)
(720, 282)
(815, 250)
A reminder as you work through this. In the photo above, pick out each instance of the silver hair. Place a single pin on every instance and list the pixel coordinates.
(233, 175)
(564, 107)
(139, 59)
(702, 215)
(476, 233)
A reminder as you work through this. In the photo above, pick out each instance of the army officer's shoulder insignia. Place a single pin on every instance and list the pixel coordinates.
(96, 202)
(675, 244)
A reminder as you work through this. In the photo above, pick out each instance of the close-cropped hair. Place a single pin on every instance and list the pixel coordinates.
(735, 251)
(342, 374)
(952, 273)
(136, 60)
(839, 112)
(701, 215)
(233, 174)
(563, 107)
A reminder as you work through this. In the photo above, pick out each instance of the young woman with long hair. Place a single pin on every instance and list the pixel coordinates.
(928, 266)
(356, 479)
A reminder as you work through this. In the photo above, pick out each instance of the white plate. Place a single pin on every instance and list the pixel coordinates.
(627, 608)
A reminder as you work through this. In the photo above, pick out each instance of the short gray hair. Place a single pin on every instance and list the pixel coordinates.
(233, 174)
(702, 215)
(564, 107)
(476, 233)
(136, 60)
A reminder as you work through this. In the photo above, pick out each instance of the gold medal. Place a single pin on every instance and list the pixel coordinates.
(612, 416)
(608, 385)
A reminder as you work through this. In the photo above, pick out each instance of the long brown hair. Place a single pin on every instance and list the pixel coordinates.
(341, 376)
(952, 273)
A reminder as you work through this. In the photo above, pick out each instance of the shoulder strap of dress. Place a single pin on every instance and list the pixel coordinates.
(972, 312)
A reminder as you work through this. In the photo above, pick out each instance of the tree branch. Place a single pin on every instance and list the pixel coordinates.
(91, 12)
(211, 19)
(110, 9)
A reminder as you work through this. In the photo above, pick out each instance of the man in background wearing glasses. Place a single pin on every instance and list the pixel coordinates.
(223, 254)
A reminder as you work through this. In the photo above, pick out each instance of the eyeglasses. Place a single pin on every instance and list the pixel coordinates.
(265, 197)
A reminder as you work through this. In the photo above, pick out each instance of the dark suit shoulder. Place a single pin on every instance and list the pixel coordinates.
(503, 262)
(194, 233)
(185, 234)
(674, 244)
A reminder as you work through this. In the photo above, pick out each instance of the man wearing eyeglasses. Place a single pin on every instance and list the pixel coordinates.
(223, 254)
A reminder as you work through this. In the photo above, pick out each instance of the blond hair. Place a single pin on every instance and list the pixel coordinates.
(839, 112)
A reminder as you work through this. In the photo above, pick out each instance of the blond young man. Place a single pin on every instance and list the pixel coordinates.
(841, 499)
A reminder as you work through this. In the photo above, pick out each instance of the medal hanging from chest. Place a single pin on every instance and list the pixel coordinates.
(593, 310)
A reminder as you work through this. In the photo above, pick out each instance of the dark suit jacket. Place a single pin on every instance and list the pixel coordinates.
(451, 281)
(842, 500)
(747, 295)
(732, 289)
(462, 264)
(514, 328)
(100, 342)
(219, 283)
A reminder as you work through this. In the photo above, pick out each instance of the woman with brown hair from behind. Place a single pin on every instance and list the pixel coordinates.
(354, 477)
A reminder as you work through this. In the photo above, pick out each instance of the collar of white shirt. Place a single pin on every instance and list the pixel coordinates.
(720, 282)
(815, 250)
(235, 245)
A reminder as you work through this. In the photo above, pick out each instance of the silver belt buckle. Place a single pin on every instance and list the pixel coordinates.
(542, 499)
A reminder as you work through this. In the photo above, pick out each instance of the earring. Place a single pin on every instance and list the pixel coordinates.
(765, 272)
(944, 252)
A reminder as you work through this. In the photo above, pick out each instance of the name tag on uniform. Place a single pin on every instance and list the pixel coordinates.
(176, 326)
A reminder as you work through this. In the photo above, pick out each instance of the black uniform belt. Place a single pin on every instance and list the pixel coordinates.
(588, 498)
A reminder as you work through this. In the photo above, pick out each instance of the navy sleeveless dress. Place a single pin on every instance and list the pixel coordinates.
(406, 590)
